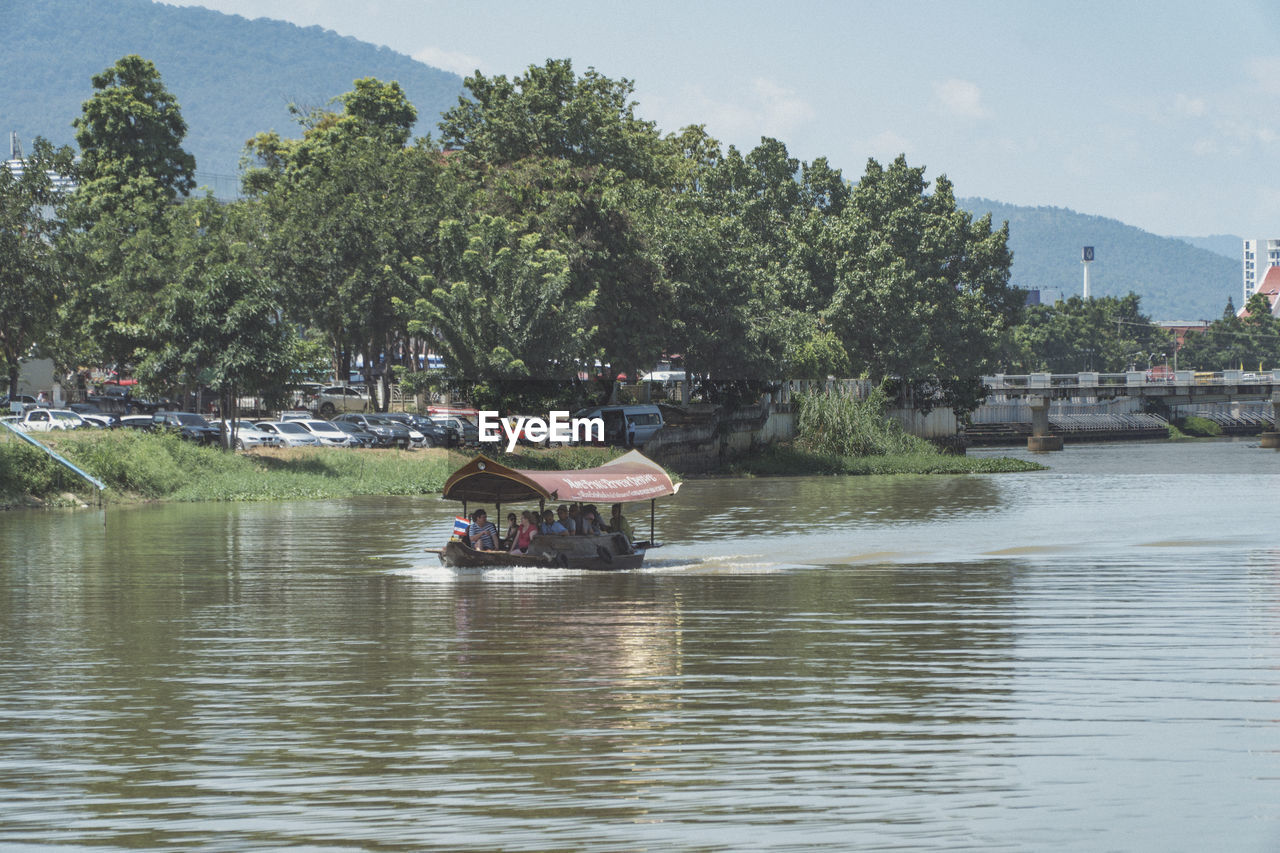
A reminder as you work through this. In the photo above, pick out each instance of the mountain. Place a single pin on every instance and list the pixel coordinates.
(233, 77)
(1227, 245)
(1176, 280)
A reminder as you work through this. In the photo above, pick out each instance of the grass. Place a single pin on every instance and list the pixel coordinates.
(139, 466)
(792, 459)
(840, 435)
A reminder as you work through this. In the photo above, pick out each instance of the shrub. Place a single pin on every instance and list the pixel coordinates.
(844, 426)
(1199, 427)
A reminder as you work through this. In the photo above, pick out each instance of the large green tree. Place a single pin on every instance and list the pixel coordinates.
(500, 305)
(217, 323)
(130, 135)
(565, 156)
(349, 208)
(132, 168)
(922, 294)
(1233, 342)
(1106, 334)
(32, 283)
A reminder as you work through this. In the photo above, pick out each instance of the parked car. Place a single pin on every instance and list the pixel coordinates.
(328, 433)
(25, 401)
(336, 399)
(468, 433)
(143, 422)
(434, 434)
(388, 433)
(96, 416)
(248, 436)
(47, 420)
(189, 425)
(416, 437)
(646, 418)
(359, 433)
(301, 395)
(290, 433)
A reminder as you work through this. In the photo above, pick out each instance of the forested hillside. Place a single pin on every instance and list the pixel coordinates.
(1177, 281)
(233, 77)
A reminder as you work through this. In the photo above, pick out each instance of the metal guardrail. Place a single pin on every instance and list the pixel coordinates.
(57, 457)
(1133, 379)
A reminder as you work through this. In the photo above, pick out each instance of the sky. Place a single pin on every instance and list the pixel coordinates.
(1164, 115)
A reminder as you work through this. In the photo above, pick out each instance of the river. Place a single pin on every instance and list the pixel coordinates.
(1085, 658)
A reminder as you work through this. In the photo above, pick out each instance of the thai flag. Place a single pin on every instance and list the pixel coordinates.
(460, 526)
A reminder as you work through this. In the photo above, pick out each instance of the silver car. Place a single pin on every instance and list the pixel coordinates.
(248, 436)
(289, 431)
(329, 435)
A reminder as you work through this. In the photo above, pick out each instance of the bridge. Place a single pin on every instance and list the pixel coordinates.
(1174, 388)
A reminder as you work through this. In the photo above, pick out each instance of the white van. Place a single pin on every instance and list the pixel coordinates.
(645, 418)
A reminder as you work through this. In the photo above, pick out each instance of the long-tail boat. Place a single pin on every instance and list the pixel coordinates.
(630, 478)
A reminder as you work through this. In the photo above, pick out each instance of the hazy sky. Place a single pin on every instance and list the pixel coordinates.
(1165, 115)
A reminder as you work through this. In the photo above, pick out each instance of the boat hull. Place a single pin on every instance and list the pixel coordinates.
(606, 553)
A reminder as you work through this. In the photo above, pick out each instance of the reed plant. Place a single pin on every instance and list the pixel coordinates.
(838, 425)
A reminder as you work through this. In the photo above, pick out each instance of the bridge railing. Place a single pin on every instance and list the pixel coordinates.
(1132, 379)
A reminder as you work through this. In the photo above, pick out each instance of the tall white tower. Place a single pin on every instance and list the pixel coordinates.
(1086, 258)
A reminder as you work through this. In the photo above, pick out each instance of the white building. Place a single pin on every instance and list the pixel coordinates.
(1259, 256)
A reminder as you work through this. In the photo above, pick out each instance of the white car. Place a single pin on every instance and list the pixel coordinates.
(248, 436)
(47, 420)
(289, 431)
(329, 435)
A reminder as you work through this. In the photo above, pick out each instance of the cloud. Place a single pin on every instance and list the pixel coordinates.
(448, 60)
(1265, 71)
(762, 108)
(1189, 106)
(887, 145)
(960, 98)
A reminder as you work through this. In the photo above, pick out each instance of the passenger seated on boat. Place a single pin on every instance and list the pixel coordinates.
(567, 520)
(618, 523)
(482, 533)
(589, 522)
(513, 527)
(551, 527)
(524, 534)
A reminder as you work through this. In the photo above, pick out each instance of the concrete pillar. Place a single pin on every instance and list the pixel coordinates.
(1271, 440)
(1040, 439)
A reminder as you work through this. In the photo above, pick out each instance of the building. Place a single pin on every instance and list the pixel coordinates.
(1259, 256)
(1270, 288)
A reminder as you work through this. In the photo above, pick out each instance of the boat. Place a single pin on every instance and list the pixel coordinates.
(630, 478)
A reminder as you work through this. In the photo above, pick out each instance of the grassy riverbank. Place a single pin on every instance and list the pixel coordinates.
(789, 459)
(841, 435)
(139, 466)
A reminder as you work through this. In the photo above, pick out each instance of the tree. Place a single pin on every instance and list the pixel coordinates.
(500, 306)
(31, 280)
(132, 168)
(1107, 334)
(1233, 342)
(218, 323)
(130, 136)
(349, 208)
(921, 290)
(549, 112)
(565, 157)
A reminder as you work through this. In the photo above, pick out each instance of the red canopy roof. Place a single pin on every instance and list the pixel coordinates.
(631, 477)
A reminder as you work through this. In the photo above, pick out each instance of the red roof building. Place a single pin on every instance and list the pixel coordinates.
(1270, 288)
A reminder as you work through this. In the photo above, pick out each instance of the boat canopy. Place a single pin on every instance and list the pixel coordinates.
(630, 477)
